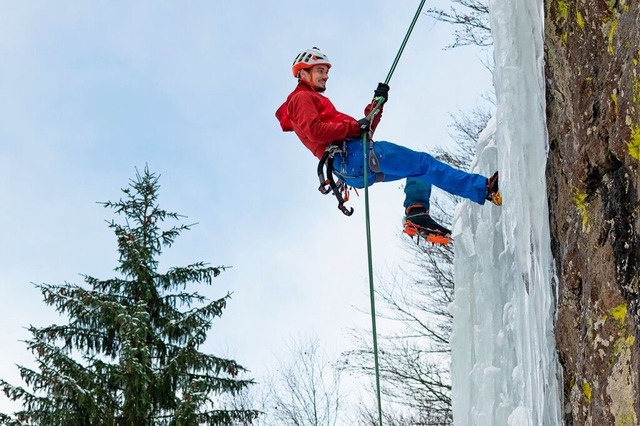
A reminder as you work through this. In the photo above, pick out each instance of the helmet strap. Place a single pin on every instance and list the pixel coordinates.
(311, 82)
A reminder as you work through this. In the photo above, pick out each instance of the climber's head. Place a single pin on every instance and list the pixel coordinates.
(312, 66)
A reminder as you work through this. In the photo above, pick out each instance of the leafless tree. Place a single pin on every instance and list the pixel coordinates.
(304, 390)
(470, 19)
(307, 391)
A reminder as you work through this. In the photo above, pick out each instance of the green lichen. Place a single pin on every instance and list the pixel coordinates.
(623, 340)
(612, 32)
(579, 199)
(563, 11)
(636, 88)
(634, 143)
(614, 98)
(586, 391)
(619, 313)
(619, 383)
(579, 19)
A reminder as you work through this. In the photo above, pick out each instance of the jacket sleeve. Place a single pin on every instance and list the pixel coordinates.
(302, 111)
(376, 118)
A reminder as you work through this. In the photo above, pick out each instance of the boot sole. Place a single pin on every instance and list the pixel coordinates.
(429, 235)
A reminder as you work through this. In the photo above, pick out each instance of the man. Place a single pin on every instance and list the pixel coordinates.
(319, 124)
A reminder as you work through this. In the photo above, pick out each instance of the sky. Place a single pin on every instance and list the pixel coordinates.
(93, 90)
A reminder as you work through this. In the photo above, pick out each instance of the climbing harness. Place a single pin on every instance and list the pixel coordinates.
(327, 175)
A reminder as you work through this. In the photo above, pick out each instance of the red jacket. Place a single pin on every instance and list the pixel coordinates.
(316, 121)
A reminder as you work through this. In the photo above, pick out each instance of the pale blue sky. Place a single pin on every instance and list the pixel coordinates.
(92, 90)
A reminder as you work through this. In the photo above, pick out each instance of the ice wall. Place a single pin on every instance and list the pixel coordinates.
(504, 364)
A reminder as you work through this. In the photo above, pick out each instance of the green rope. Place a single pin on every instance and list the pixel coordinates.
(404, 42)
(373, 112)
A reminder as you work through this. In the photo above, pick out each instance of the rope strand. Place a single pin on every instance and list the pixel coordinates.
(367, 216)
(404, 42)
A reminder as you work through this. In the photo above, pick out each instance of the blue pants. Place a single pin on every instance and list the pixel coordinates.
(419, 168)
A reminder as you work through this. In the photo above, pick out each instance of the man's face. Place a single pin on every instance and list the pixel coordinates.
(317, 76)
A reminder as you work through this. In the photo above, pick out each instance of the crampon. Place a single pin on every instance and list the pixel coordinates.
(429, 235)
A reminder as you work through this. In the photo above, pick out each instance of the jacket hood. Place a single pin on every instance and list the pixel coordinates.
(281, 113)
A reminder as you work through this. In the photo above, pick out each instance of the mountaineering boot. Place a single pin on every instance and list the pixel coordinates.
(418, 222)
(493, 192)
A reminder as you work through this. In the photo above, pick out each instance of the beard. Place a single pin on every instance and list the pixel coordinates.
(320, 89)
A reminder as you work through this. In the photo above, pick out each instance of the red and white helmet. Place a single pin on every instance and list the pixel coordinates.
(309, 58)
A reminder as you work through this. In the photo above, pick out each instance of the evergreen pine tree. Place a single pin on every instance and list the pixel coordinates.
(129, 354)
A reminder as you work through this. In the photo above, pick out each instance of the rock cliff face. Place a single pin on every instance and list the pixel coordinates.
(592, 54)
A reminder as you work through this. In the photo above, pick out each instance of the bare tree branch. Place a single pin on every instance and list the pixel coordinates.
(471, 19)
